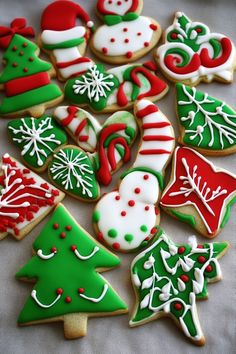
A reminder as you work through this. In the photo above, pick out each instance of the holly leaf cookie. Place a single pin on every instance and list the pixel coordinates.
(191, 53)
(115, 89)
(37, 139)
(25, 198)
(168, 278)
(126, 219)
(71, 170)
(25, 79)
(206, 123)
(199, 193)
(72, 293)
(125, 36)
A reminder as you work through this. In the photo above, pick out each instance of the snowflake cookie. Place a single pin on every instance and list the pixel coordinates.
(25, 198)
(168, 278)
(125, 36)
(66, 266)
(126, 219)
(199, 193)
(191, 53)
(109, 145)
(206, 123)
(37, 139)
(115, 89)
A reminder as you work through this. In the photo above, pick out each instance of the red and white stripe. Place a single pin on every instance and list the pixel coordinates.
(158, 139)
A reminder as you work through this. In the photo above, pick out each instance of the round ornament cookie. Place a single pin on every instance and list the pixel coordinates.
(192, 53)
(37, 139)
(198, 193)
(125, 36)
(65, 40)
(73, 293)
(206, 123)
(25, 79)
(115, 89)
(126, 219)
(169, 278)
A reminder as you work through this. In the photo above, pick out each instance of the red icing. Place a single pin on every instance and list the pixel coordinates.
(153, 27)
(157, 138)
(122, 99)
(178, 306)
(26, 83)
(63, 65)
(112, 40)
(147, 208)
(174, 35)
(156, 125)
(100, 236)
(184, 278)
(18, 26)
(54, 250)
(63, 235)
(201, 259)
(68, 228)
(170, 62)
(104, 50)
(72, 110)
(208, 268)
(68, 299)
(146, 44)
(73, 248)
(145, 177)
(131, 203)
(147, 110)
(81, 126)
(59, 291)
(137, 190)
(55, 226)
(83, 138)
(153, 230)
(129, 54)
(181, 250)
(225, 54)
(117, 197)
(116, 246)
(123, 213)
(125, 29)
(102, 8)
(154, 152)
(81, 290)
(151, 65)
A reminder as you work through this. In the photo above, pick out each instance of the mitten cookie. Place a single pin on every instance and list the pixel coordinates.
(199, 193)
(115, 89)
(37, 139)
(25, 79)
(125, 219)
(109, 144)
(65, 41)
(125, 36)
(72, 293)
(25, 198)
(206, 123)
(168, 278)
(191, 53)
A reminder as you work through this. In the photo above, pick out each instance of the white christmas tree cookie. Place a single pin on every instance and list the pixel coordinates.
(125, 219)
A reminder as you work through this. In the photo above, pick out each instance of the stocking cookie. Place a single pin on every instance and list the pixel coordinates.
(168, 278)
(199, 193)
(206, 123)
(191, 53)
(125, 36)
(65, 41)
(110, 144)
(25, 198)
(125, 219)
(25, 78)
(37, 139)
(115, 89)
(73, 293)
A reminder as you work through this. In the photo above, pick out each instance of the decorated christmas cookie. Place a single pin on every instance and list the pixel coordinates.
(206, 123)
(125, 36)
(25, 78)
(169, 278)
(199, 193)
(71, 170)
(72, 293)
(25, 198)
(37, 139)
(191, 53)
(64, 40)
(126, 219)
(110, 143)
(115, 89)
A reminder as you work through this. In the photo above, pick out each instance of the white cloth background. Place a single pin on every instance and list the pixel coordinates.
(112, 335)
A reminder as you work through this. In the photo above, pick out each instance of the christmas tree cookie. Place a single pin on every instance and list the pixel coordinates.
(25, 198)
(25, 78)
(65, 41)
(37, 139)
(191, 53)
(73, 293)
(125, 36)
(199, 193)
(115, 89)
(168, 278)
(109, 144)
(126, 219)
(206, 123)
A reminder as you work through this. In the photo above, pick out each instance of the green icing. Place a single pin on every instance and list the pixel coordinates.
(112, 233)
(68, 272)
(96, 216)
(208, 123)
(189, 219)
(227, 212)
(157, 272)
(71, 170)
(129, 238)
(111, 20)
(143, 228)
(37, 139)
(63, 45)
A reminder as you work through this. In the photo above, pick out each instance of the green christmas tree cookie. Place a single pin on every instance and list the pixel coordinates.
(25, 79)
(169, 278)
(68, 288)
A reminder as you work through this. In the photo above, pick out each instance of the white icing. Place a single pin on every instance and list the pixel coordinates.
(84, 258)
(56, 37)
(121, 9)
(34, 296)
(92, 299)
(45, 256)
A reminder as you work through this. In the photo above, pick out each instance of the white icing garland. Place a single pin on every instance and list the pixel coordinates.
(105, 288)
(83, 258)
(45, 256)
(34, 296)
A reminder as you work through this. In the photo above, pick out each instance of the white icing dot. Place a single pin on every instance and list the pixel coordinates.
(200, 129)
(90, 24)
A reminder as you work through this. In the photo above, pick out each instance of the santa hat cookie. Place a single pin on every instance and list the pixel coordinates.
(64, 40)
(126, 36)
